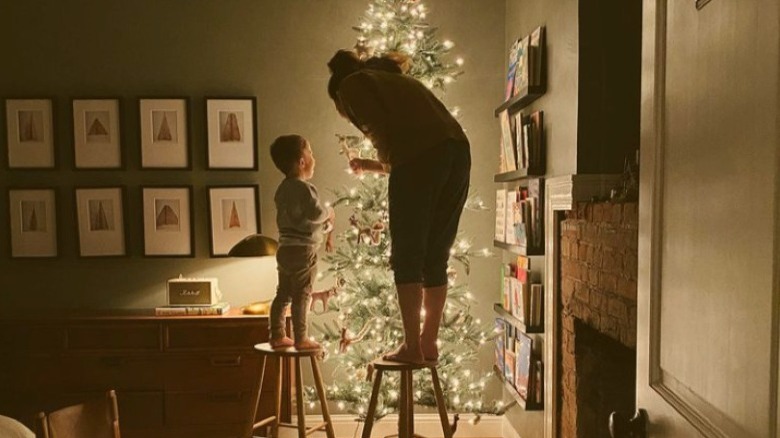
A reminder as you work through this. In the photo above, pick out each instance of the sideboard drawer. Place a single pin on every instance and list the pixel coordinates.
(212, 372)
(212, 407)
(123, 337)
(141, 410)
(214, 335)
(34, 337)
(117, 371)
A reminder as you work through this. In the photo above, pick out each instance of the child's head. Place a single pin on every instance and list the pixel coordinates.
(293, 156)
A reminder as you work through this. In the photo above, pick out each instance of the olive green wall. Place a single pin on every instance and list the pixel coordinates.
(274, 50)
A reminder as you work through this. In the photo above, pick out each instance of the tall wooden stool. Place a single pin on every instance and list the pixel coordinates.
(279, 355)
(406, 401)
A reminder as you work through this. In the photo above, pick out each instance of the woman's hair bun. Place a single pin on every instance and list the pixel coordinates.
(344, 62)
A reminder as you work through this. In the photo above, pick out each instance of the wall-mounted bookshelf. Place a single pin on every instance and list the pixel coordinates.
(521, 100)
(519, 223)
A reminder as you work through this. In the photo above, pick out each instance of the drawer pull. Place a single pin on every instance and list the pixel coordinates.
(226, 361)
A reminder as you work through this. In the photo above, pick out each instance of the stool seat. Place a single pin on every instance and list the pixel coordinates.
(283, 357)
(389, 365)
(265, 348)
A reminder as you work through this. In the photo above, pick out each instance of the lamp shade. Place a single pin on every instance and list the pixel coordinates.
(255, 245)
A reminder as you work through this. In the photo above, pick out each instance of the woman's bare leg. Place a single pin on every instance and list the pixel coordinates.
(410, 298)
(434, 299)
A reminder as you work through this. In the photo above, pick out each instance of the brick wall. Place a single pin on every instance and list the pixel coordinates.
(598, 289)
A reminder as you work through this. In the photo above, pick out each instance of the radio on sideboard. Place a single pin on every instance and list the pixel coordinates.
(193, 292)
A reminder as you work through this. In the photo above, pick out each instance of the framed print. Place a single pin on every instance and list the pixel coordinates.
(100, 218)
(30, 133)
(232, 133)
(96, 139)
(164, 134)
(233, 214)
(167, 213)
(33, 220)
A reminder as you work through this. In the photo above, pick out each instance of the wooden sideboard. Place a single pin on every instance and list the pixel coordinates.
(183, 376)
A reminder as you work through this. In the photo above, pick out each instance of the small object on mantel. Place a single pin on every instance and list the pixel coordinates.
(257, 308)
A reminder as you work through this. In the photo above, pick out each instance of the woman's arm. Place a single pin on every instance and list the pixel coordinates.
(360, 165)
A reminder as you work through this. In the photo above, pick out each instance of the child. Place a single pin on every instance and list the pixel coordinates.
(302, 219)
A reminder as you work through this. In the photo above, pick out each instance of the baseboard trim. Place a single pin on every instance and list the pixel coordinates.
(428, 425)
(507, 430)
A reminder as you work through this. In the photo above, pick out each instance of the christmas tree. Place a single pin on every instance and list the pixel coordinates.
(367, 321)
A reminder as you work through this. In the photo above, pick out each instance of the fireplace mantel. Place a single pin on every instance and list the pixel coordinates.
(561, 194)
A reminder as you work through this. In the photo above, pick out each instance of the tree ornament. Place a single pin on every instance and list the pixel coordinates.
(323, 296)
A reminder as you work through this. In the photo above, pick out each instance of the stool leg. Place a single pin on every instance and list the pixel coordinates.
(410, 403)
(280, 374)
(257, 399)
(372, 405)
(403, 408)
(299, 398)
(315, 368)
(440, 404)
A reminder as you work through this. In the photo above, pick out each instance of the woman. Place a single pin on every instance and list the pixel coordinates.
(426, 153)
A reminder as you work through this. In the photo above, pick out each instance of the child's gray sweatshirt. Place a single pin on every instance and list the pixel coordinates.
(300, 215)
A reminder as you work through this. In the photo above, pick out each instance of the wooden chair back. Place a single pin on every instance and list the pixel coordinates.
(97, 418)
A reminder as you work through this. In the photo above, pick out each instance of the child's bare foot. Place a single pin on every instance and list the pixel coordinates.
(429, 349)
(406, 354)
(307, 344)
(283, 342)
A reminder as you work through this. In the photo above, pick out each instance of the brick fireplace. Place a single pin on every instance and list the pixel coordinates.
(597, 336)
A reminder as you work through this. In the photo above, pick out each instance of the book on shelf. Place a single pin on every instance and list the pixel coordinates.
(216, 309)
(535, 147)
(500, 231)
(510, 75)
(522, 72)
(538, 380)
(536, 193)
(536, 304)
(508, 162)
(499, 351)
(520, 153)
(536, 56)
(523, 360)
(509, 365)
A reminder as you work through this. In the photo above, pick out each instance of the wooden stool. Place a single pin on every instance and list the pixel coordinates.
(406, 403)
(275, 420)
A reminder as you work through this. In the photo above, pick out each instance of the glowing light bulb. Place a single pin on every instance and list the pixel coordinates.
(459, 61)
(341, 405)
(352, 192)
(419, 34)
(448, 79)
(448, 44)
